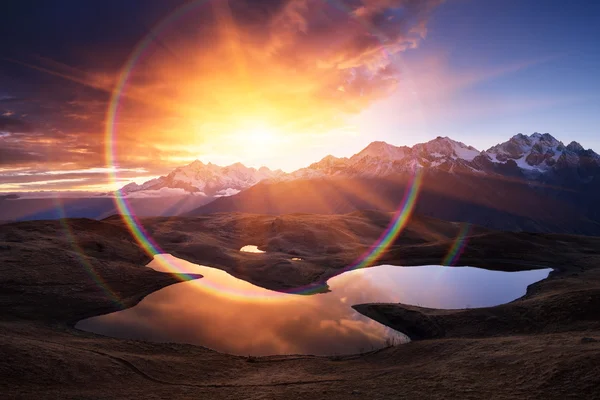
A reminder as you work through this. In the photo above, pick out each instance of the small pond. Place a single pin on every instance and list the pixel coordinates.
(233, 316)
(251, 249)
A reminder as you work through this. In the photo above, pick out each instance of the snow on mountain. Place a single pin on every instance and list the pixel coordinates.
(444, 147)
(134, 187)
(328, 166)
(540, 153)
(382, 150)
(206, 179)
(533, 155)
(380, 159)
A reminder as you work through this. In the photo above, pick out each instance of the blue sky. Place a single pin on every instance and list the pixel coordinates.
(551, 55)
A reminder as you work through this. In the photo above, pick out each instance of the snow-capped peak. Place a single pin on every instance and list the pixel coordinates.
(134, 187)
(328, 166)
(535, 154)
(209, 179)
(382, 150)
(328, 161)
(540, 152)
(441, 147)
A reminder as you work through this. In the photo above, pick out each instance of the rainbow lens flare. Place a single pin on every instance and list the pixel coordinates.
(370, 257)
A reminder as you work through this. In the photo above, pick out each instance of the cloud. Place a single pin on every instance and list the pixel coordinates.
(297, 67)
(163, 192)
(296, 63)
(13, 125)
(5, 99)
(227, 192)
(67, 177)
(16, 155)
(52, 194)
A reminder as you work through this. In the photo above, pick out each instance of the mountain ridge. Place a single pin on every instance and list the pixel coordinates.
(530, 183)
(206, 179)
(525, 156)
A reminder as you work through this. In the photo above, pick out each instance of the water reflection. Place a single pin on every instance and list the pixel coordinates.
(233, 316)
(436, 286)
(251, 249)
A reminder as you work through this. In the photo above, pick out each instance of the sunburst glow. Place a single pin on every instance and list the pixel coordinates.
(258, 138)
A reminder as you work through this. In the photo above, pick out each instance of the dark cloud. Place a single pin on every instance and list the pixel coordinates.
(9, 99)
(70, 31)
(17, 156)
(58, 184)
(13, 125)
(92, 177)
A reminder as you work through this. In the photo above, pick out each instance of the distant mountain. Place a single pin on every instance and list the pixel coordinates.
(377, 159)
(521, 156)
(381, 159)
(542, 153)
(527, 156)
(98, 207)
(533, 183)
(206, 179)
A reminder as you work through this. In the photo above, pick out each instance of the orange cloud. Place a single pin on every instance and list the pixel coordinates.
(295, 68)
(298, 70)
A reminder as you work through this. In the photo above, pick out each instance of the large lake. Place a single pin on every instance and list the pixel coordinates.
(233, 316)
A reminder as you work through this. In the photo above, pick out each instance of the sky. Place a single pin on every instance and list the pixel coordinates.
(280, 83)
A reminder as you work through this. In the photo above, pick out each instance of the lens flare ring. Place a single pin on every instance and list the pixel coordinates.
(376, 250)
(458, 246)
(80, 254)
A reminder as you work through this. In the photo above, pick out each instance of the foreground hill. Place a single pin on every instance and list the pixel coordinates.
(544, 345)
(497, 203)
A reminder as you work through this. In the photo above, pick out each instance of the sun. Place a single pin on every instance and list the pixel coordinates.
(252, 141)
(258, 138)
(261, 136)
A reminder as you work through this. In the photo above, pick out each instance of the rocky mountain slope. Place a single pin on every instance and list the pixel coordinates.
(206, 179)
(532, 183)
(524, 156)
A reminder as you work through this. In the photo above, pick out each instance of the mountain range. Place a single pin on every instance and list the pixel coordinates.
(528, 183)
(206, 179)
(536, 157)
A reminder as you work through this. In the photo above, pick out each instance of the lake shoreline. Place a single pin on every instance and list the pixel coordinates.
(330, 324)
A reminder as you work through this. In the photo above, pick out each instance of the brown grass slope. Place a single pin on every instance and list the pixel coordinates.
(530, 348)
(495, 201)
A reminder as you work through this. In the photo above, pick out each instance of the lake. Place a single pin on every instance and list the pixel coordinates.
(233, 316)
